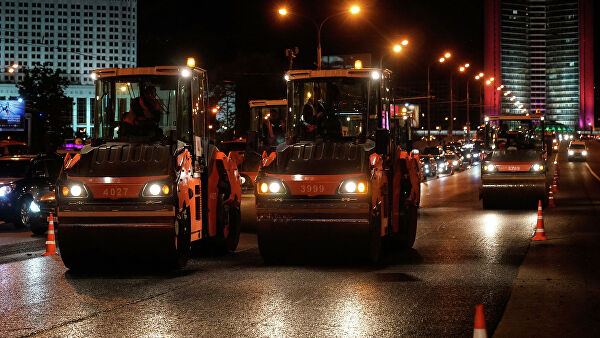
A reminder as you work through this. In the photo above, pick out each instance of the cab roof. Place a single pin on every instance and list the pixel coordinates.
(307, 74)
(158, 71)
(267, 103)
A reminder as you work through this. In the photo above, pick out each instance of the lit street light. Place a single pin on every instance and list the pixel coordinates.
(397, 48)
(440, 60)
(319, 26)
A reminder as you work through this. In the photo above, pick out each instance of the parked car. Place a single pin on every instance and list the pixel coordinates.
(27, 189)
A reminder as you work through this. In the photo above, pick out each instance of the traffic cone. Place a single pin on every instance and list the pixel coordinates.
(50, 242)
(551, 203)
(540, 235)
(554, 185)
(479, 330)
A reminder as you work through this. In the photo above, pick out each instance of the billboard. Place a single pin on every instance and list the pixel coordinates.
(12, 115)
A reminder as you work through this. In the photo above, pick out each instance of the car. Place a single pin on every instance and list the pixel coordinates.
(577, 151)
(454, 161)
(428, 166)
(467, 157)
(27, 189)
(436, 151)
(443, 167)
(10, 147)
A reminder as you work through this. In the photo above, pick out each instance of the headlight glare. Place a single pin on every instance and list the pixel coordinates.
(571, 152)
(5, 190)
(156, 189)
(584, 153)
(350, 187)
(489, 167)
(76, 190)
(272, 186)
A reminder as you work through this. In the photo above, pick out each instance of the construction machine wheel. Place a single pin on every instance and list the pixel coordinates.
(408, 233)
(374, 246)
(270, 254)
(228, 226)
(182, 244)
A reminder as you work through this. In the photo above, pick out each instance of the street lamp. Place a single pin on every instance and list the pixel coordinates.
(442, 59)
(397, 48)
(461, 69)
(354, 9)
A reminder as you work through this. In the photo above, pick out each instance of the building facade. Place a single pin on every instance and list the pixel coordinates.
(76, 36)
(541, 53)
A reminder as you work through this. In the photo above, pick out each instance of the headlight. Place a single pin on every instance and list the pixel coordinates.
(489, 167)
(156, 189)
(571, 152)
(34, 207)
(353, 186)
(242, 180)
(426, 166)
(74, 190)
(476, 155)
(468, 155)
(537, 167)
(272, 186)
(442, 165)
(6, 189)
(246, 182)
(454, 162)
(584, 153)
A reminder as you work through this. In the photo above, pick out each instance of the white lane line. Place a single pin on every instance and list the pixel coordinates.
(592, 172)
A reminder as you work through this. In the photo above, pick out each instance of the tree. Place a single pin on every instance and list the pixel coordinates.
(43, 90)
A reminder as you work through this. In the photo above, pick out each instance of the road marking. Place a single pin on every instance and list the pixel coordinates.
(592, 172)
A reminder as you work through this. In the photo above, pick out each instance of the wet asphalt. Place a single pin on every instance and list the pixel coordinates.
(463, 256)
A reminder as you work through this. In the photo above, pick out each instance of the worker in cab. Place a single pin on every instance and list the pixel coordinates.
(143, 117)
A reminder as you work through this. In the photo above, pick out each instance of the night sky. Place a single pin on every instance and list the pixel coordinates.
(245, 40)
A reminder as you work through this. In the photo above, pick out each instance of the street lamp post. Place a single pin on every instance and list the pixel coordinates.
(319, 26)
(442, 59)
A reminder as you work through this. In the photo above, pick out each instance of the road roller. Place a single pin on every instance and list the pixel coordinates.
(344, 178)
(150, 183)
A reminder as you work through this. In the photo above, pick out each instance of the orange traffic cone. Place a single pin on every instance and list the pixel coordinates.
(479, 330)
(551, 203)
(540, 235)
(554, 185)
(50, 242)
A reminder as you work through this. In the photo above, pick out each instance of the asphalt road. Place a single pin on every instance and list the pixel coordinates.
(463, 256)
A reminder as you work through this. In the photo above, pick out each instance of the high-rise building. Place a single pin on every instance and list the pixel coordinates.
(541, 51)
(76, 36)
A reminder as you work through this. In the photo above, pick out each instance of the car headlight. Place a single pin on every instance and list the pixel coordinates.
(454, 162)
(353, 186)
(426, 166)
(468, 155)
(271, 186)
(34, 207)
(571, 152)
(476, 155)
(74, 190)
(537, 167)
(442, 165)
(584, 153)
(489, 167)
(156, 189)
(6, 189)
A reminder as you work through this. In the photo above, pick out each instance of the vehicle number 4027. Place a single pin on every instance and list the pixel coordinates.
(312, 188)
(114, 192)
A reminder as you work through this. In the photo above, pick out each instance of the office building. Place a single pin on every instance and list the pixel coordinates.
(541, 51)
(75, 36)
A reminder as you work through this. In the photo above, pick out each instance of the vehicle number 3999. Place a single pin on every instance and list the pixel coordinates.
(114, 192)
(312, 188)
